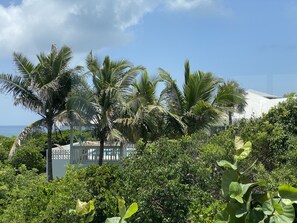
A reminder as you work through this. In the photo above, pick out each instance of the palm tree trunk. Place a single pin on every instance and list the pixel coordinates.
(230, 117)
(49, 151)
(101, 152)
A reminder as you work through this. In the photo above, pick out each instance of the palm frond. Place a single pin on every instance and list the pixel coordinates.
(22, 136)
(171, 95)
(24, 66)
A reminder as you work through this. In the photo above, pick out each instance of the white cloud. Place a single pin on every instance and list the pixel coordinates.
(188, 4)
(33, 25)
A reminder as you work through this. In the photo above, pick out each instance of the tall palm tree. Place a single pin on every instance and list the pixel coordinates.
(199, 103)
(42, 88)
(102, 103)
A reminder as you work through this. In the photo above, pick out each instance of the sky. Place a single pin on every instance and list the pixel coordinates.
(252, 42)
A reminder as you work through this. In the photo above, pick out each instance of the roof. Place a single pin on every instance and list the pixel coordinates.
(263, 94)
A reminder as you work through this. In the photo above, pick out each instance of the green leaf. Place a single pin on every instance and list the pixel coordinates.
(235, 191)
(83, 208)
(278, 208)
(122, 207)
(238, 190)
(245, 187)
(225, 163)
(288, 194)
(244, 151)
(267, 207)
(133, 208)
(229, 176)
(287, 215)
(238, 143)
(241, 211)
(113, 220)
(281, 213)
(90, 218)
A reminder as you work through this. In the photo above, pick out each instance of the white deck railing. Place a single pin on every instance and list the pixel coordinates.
(89, 154)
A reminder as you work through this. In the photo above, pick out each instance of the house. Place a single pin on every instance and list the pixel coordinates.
(257, 104)
(84, 153)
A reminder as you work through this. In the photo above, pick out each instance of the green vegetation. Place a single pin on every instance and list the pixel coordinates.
(115, 104)
(173, 176)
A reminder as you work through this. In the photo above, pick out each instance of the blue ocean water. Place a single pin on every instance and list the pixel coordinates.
(11, 130)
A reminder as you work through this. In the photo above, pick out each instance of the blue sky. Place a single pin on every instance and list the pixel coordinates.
(253, 42)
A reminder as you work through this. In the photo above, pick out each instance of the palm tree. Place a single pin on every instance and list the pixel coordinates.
(102, 103)
(43, 89)
(199, 103)
(144, 115)
(233, 98)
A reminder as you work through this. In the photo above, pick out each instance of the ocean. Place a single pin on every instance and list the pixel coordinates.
(11, 130)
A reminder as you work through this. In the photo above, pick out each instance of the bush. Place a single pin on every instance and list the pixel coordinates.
(105, 185)
(30, 156)
(169, 177)
(5, 145)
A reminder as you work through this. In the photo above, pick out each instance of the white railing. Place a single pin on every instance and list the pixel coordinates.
(89, 154)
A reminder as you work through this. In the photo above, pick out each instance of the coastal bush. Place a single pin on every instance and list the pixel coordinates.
(30, 156)
(5, 145)
(252, 201)
(168, 178)
(22, 193)
(105, 184)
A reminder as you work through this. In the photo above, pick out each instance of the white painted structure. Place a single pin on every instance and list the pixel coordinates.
(257, 104)
(85, 153)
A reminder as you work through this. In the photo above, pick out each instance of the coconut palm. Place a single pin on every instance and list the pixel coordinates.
(43, 89)
(144, 114)
(233, 98)
(199, 103)
(102, 103)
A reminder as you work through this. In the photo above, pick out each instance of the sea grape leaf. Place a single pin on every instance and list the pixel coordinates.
(287, 215)
(235, 191)
(113, 220)
(225, 163)
(241, 211)
(83, 208)
(229, 176)
(238, 143)
(288, 194)
(133, 208)
(244, 151)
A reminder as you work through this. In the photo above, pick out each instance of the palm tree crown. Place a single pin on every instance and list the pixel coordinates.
(201, 101)
(102, 103)
(42, 88)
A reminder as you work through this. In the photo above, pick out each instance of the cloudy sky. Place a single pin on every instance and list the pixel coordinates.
(253, 42)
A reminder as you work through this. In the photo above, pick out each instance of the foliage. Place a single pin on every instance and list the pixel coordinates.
(105, 185)
(123, 212)
(5, 145)
(167, 177)
(201, 101)
(101, 103)
(251, 201)
(29, 155)
(43, 89)
(85, 210)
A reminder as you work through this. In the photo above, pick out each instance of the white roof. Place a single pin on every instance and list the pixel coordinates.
(257, 104)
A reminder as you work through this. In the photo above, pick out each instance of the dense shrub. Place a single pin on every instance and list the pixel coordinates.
(105, 185)
(26, 196)
(5, 145)
(30, 156)
(169, 178)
